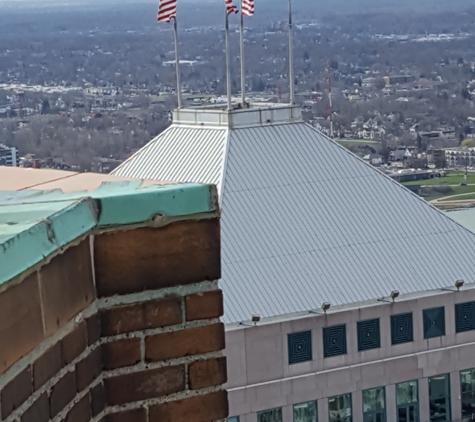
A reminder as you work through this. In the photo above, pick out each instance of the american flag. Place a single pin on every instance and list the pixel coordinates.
(166, 10)
(230, 8)
(247, 7)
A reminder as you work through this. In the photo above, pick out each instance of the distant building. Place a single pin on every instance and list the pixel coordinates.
(462, 156)
(8, 156)
(398, 79)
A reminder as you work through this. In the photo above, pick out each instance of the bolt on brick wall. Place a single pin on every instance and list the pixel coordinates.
(143, 342)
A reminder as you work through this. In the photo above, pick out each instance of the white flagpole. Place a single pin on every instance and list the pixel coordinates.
(228, 63)
(177, 63)
(243, 71)
(291, 56)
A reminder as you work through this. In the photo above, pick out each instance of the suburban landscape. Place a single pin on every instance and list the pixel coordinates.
(86, 93)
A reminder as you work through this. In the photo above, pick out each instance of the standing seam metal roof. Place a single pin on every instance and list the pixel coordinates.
(305, 221)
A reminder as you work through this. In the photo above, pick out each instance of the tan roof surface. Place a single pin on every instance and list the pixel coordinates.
(15, 178)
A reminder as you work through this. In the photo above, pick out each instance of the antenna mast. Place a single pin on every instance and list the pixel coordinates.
(330, 96)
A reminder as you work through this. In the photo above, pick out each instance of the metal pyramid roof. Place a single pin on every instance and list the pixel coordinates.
(304, 221)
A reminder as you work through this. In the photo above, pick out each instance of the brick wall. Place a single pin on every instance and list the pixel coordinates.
(123, 326)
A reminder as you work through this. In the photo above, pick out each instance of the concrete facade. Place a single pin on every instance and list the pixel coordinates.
(261, 378)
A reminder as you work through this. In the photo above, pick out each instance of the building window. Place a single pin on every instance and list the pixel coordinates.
(465, 317)
(334, 341)
(271, 415)
(407, 402)
(467, 384)
(368, 335)
(374, 405)
(233, 419)
(401, 328)
(434, 322)
(300, 347)
(339, 408)
(305, 412)
(439, 398)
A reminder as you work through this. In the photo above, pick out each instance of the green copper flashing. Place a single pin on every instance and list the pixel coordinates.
(34, 224)
(25, 240)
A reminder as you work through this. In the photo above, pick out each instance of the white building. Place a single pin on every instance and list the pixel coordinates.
(350, 276)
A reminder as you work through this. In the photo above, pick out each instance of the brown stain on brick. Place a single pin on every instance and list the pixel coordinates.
(47, 366)
(207, 373)
(98, 399)
(80, 412)
(206, 408)
(121, 353)
(21, 326)
(88, 369)
(74, 343)
(38, 411)
(148, 258)
(93, 329)
(62, 393)
(140, 316)
(183, 343)
(204, 305)
(145, 385)
(135, 415)
(66, 286)
(16, 392)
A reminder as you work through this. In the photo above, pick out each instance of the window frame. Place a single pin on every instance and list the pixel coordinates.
(360, 324)
(324, 342)
(426, 328)
(374, 413)
(464, 393)
(395, 342)
(348, 418)
(295, 361)
(305, 402)
(262, 412)
(406, 405)
(448, 398)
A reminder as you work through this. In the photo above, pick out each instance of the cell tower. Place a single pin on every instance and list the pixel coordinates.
(330, 100)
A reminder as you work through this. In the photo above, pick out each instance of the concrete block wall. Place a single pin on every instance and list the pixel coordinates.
(123, 325)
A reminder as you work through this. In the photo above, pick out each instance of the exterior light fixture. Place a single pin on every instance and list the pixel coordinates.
(255, 319)
(458, 285)
(393, 296)
(325, 307)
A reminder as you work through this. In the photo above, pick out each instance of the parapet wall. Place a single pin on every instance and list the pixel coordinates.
(119, 326)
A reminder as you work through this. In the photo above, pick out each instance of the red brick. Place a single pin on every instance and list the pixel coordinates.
(121, 353)
(207, 373)
(210, 407)
(145, 385)
(204, 305)
(98, 399)
(140, 316)
(47, 366)
(81, 411)
(93, 329)
(182, 343)
(88, 369)
(21, 326)
(180, 253)
(38, 411)
(136, 415)
(62, 393)
(74, 343)
(16, 392)
(67, 286)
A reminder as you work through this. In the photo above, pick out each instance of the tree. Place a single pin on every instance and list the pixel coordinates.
(469, 143)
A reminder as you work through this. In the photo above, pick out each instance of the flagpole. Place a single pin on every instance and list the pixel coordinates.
(243, 71)
(291, 56)
(177, 64)
(228, 63)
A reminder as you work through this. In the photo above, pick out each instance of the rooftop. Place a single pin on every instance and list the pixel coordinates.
(304, 221)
